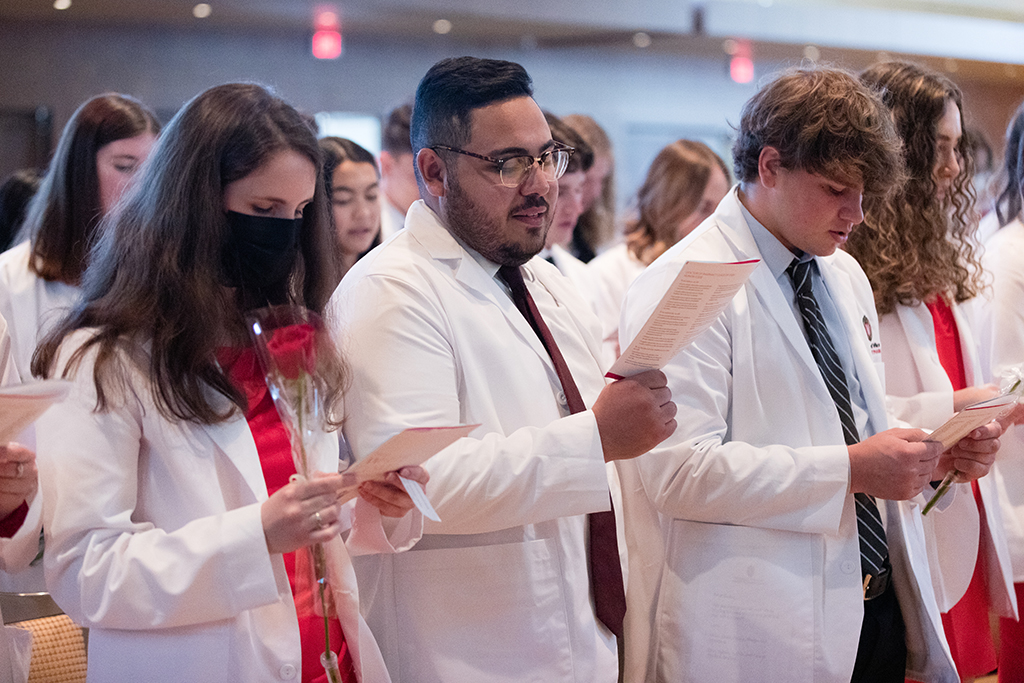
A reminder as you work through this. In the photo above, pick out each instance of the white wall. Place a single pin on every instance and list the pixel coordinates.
(644, 99)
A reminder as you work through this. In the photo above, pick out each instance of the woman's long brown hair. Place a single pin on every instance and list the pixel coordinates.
(155, 276)
(912, 246)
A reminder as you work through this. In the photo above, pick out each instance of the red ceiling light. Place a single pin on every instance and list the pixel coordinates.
(327, 33)
(741, 64)
(741, 69)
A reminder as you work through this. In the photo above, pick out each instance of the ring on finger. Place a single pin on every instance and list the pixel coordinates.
(319, 520)
(19, 470)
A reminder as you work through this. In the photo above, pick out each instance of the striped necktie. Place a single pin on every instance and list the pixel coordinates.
(873, 547)
(606, 582)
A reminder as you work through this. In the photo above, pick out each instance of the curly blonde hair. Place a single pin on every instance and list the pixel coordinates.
(911, 245)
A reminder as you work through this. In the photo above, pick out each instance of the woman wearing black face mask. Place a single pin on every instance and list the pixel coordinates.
(161, 536)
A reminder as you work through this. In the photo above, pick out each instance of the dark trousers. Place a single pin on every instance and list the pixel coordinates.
(882, 653)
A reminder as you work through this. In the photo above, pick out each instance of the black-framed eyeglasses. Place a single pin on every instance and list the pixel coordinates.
(512, 171)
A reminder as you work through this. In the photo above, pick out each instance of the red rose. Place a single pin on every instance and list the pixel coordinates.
(293, 350)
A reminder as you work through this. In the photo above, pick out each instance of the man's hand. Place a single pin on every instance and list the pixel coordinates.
(389, 496)
(634, 415)
(18, 478)
(973, 455)
(895, 464)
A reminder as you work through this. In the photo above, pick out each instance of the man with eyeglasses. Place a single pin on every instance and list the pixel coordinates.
(454, 321)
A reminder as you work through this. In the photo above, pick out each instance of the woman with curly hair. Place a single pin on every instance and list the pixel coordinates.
(915, 247)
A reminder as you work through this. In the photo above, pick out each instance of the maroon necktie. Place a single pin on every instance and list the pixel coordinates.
(605, 571)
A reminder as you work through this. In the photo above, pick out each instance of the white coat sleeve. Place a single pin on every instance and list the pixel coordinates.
(20, 549)
(405, 373)
(107, 570)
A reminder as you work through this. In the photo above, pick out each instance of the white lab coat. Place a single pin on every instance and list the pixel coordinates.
(154, 539)
(920, 393)
(498, 590)
(612, 272)
(16, 552)
(30, 304)
(744, 557)
(391, 218)
(1001, 334)
(572, 268)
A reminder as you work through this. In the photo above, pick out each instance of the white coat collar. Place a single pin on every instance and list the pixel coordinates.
(426, 228)
(735, 229)
(235, 439)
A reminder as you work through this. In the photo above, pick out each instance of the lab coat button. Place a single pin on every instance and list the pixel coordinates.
(288, 672)
(848, 567)
(561, 398)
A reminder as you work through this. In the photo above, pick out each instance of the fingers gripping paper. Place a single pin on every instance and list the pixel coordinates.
(405, 449)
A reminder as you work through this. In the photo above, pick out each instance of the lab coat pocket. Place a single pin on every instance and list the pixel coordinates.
(736, 604)
(509, 591)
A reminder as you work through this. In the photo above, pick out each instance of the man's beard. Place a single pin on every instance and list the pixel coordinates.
(483, 233)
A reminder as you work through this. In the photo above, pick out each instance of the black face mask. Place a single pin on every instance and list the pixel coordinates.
(260, 251)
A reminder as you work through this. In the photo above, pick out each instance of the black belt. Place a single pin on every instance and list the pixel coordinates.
(874, 586)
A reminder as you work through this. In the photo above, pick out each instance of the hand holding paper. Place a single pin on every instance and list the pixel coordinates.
(960, 426)
(22, 404)
(406, 449)
(696, 297)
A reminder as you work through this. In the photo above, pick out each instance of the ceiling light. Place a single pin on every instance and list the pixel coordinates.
(741, 69)
(442, 26)
(61, 4)
(641, 39)
(201, 11)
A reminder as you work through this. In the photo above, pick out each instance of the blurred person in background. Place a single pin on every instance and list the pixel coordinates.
(102, 146)
(1002, 352)
(351, 175)
(569, 206)
(1005, 195)
(684, 185)
(15, 194)
(595, 229)
(397, 171)
(916, 248)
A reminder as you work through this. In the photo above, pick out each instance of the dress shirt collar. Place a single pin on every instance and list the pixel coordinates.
(773, 252)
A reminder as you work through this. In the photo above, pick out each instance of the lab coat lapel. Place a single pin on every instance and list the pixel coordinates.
(852, 311)
(766, 288)
(234, 439)
(441, 246)
(920, 330)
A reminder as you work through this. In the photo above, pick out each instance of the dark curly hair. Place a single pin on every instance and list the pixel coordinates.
(912, 245)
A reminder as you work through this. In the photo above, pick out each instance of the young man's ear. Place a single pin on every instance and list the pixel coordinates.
(432, 171)
(769, 163)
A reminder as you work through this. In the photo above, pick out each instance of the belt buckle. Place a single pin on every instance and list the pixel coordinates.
(875, 586)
